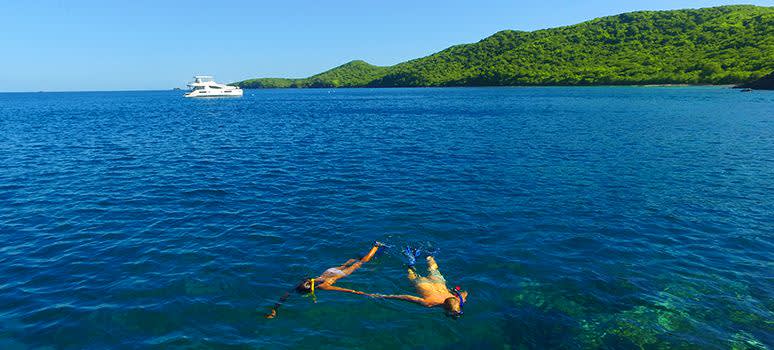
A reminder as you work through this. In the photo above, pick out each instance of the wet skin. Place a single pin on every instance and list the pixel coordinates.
(330, 276)
(432, 288)
(326, 280)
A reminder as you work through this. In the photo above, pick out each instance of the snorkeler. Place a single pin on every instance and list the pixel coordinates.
(432, 288)
(328, 278)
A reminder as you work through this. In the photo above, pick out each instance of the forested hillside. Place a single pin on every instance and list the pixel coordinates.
(719, 45)
(352, 74)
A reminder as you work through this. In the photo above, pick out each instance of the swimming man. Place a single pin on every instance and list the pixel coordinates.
(432, 288)
(328, 278)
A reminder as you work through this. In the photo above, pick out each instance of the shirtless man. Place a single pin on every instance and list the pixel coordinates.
(432, 288)
(328, 278)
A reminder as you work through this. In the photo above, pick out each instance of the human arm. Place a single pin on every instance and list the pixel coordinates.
(273, 312)
(339, 289)
(410, 298)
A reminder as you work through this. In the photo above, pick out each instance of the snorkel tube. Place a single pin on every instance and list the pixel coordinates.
(314, 298)
(456, 292)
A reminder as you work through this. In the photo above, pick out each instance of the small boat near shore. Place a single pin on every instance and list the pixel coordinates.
(205, 86)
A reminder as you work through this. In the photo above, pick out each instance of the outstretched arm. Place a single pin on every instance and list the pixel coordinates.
(410, 298)
(339, 289)
(273, 312)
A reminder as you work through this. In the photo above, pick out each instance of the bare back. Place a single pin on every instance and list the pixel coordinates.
(432, 291)
(432, 288)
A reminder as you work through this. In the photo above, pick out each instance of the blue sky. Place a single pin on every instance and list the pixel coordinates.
(146, 44)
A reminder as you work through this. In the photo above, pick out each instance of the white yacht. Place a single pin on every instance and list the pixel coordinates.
(205, 86)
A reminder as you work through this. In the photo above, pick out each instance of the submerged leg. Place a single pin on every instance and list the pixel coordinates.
(432, 266)
(371, 253)
(349, 262)
(412, 274)
(364, 259)
(432, 270)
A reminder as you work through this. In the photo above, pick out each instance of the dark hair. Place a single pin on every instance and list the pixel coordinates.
(305, 286)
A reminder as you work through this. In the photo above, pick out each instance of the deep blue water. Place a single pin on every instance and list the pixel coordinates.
(575, 217)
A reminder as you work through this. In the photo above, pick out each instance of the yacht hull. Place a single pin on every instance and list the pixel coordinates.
(210, 93)
(205, 86)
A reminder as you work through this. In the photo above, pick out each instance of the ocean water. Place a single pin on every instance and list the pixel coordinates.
(577, 218)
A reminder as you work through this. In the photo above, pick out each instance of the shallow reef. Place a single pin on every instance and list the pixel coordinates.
(681, 316)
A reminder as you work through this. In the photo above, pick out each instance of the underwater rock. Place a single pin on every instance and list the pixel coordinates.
(745, 341)
(548, 299)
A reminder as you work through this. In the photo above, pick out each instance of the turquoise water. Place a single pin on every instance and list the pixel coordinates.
(618, 218)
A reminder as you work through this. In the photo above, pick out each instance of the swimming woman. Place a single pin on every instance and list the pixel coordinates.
(432, 288)
(328, 278)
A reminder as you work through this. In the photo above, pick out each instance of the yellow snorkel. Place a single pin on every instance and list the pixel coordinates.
(273, 312)
(314, 298)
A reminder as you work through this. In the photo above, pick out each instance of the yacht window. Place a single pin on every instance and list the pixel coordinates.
(215, 87)
(198, 88)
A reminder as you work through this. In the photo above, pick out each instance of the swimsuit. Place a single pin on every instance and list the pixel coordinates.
(437, 274)
(333, 272)
(434, 277)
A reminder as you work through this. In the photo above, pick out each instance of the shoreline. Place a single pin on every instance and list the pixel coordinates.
(492, 86)
(386, 87)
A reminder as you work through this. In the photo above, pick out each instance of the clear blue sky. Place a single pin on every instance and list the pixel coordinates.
(157, 44)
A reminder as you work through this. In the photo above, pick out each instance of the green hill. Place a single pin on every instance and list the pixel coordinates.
(718, 45)
(352, 74)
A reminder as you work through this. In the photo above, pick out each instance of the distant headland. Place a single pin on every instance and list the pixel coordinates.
(765, 83)
(717, 45)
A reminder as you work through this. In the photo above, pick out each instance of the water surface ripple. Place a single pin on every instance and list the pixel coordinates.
(576, 217)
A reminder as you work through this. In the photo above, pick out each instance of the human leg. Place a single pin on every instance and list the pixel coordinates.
(357, 264)
(432, 270)
(349, 262)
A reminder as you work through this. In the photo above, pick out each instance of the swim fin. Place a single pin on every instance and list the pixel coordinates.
(411, 256)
